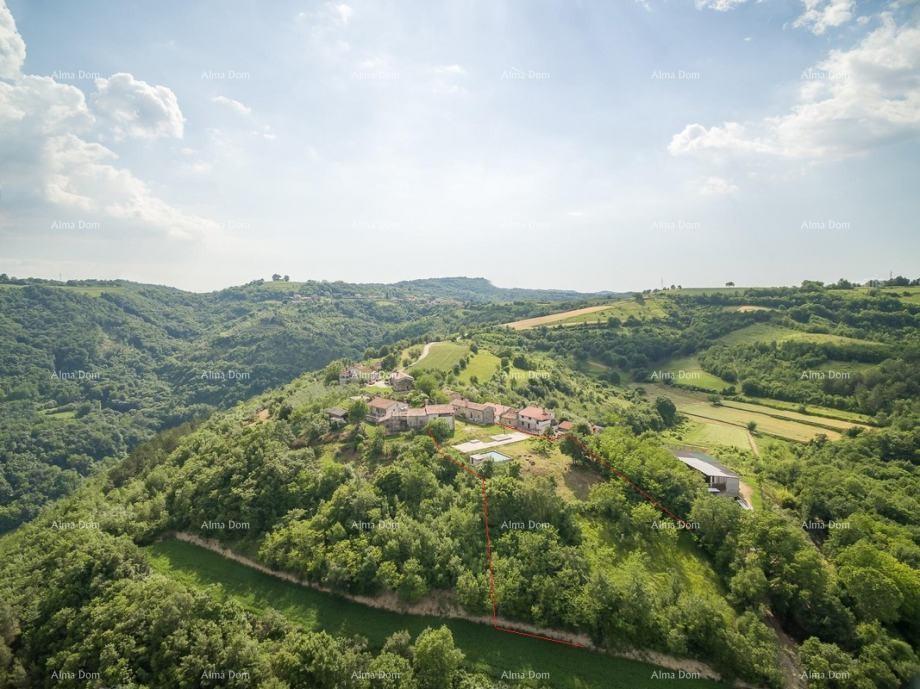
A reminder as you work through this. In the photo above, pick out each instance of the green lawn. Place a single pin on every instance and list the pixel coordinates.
(483, 365)
(442, 356)
(487, 649)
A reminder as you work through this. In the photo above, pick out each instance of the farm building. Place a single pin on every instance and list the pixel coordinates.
(400, 417)
(379, 407)
(473, 412)
(535, 419)
(337, 416)
(401, 382)
(721, 480)
(509, 417)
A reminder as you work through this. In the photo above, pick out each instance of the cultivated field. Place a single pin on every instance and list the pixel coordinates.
(781, 423)
(555, 318)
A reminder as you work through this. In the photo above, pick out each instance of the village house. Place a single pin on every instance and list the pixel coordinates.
(401, 382)
(509, 417)
(721, 480)
(380, 407)
(474, 412)
(358, 373)
(395, 417)
(535, 419)
(497, 410)
(565, 427)
(337, 416)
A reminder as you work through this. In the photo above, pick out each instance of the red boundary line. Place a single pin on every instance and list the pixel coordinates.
(485, 518)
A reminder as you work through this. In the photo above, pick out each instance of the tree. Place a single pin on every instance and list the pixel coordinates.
(439, 429)
(276, 277)
(437, 659)
(357, 411)
(729, 284)
(427, 383)
(752, 426)
(667, 411)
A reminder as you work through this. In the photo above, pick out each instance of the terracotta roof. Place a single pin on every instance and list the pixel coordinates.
(336, 411)
(566, 426)
(399, 375)
(416, 411)
(381, 403)
(439, 409)
(537, 413)
(498, 408)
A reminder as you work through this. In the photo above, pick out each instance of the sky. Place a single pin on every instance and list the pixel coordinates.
(558, 144)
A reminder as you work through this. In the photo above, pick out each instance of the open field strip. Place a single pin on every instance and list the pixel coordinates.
(820, 421)
(812, 410)
(769, 421)
(486, 649)
(554, 317)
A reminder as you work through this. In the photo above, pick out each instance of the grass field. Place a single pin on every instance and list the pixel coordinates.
(442, 356)
(687, 371)
(572, 482)
(814, 410)
(769, 332)
(486, 649)
(784, 424)
(712, 434)
(483, 365)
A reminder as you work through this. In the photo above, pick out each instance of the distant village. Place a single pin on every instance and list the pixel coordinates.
(395, 416)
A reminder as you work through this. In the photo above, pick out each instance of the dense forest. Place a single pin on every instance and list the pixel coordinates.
(89, 369)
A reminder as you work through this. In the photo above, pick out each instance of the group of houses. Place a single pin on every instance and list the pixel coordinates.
(395, 416)
(530, 419)
(367, 375)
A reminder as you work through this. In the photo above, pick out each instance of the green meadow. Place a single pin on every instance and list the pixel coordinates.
(487, 649)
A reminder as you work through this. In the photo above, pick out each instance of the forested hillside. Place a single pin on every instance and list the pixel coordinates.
(89, 369)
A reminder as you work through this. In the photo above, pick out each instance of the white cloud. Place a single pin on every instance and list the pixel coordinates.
(851, 102)
(52, 166)
(234, 105)
(134, 108)
(12, 47)
(717, 186)
(718, 5)
(820, 15)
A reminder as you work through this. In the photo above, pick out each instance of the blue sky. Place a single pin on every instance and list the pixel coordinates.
(586, 145)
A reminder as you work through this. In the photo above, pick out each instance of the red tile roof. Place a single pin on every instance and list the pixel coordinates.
(537, 413)
(381, 403)
(439, 409)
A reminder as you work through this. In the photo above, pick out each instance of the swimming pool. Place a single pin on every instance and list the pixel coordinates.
(490, 456)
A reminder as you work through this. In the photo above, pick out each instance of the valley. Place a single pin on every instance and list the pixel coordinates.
(495, 489)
